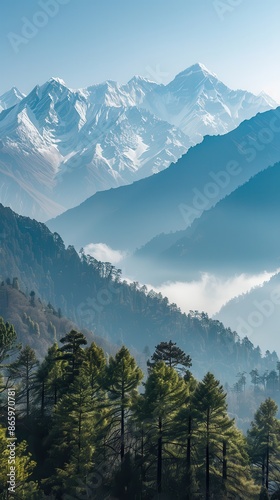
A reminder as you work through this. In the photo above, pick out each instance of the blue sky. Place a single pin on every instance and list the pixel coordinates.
(87, 41)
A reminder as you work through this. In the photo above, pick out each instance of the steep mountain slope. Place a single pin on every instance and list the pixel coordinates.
(200, 104)
(241, 234)
(91, 294)
(128, 217)
(10, 98)
(37, 324)
(256, 313)
(59, 146)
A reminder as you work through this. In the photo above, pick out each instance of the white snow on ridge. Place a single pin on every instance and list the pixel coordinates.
(81, 141)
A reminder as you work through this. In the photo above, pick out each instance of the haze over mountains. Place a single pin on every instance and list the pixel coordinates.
(59, 146)
(240, 234)
(128, 217)
(223, 199)
(213, 211)
(256, 314)
(94, 296)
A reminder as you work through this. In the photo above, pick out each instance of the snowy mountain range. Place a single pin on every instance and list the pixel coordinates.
(198, 103)
(59, 146)
(10, 98)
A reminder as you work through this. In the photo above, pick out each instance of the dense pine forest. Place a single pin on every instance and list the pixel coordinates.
(107, 406)
(92, 426)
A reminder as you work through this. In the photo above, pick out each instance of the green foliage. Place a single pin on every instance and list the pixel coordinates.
(8, 339)
(135, 316)
(156, 410)
(24, 465)
(23, 372)
(72, 436)
(72, 353)
(264, 443)
(220, 447)
(172, 355)
(122, 377)
(95, 366)
(102, 438)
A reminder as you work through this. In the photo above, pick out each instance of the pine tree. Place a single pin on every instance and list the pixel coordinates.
(172, 355)
(264, 443)
(48, 382)
(23, 370)
(73, 353)
(220, 447)
(183, 427)
(165, 393)
(95, 364)
(8, 339)
(121, 380)
(73, 438)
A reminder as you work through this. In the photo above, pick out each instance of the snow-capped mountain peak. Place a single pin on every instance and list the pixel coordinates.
(10, 98)
(196, 68)
(268, 99)
(68, 143)
(198, 103)
(57, 80)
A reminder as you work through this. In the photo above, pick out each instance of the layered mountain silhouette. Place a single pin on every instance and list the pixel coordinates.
(241, 234)
(130, 216)
(59, 146)
(256, 314)
(92, 294)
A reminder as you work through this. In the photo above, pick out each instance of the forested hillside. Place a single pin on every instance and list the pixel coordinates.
(38, 324)
(92, 294)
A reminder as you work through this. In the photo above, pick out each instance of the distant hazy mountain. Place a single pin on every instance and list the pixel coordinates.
(92, 294)
(198, 103)
(130, 216)
(10, 98)
(256, 314)
(241, 234)
(59, 146)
